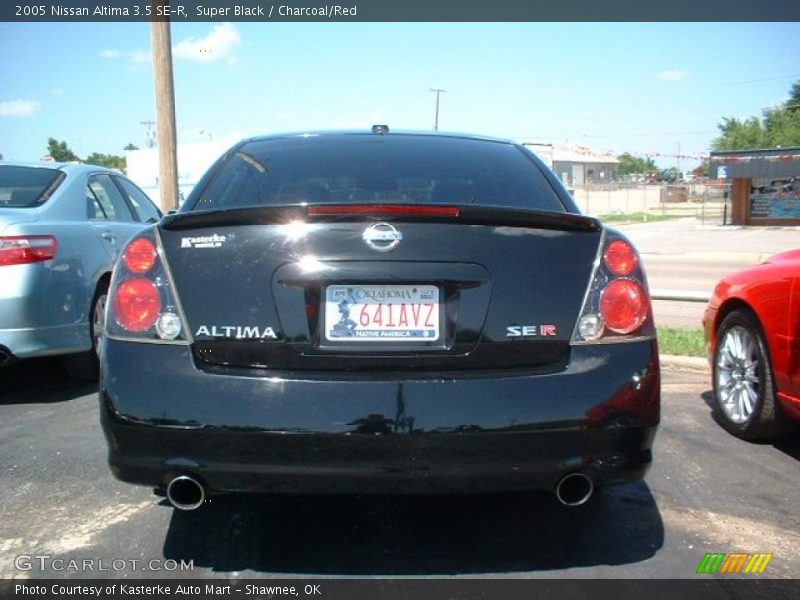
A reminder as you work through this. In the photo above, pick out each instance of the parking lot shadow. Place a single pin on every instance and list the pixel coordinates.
(789, 445)
(39, 380)
(401, 535)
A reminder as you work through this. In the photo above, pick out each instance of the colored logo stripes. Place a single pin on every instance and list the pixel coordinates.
(736, 562)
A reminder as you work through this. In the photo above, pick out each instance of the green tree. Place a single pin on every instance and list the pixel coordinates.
(112, 161)
(794, 97)
(629, 164)
(739, 135)
(782, 126)
(131, 146)
(777, 127)
(60, 151)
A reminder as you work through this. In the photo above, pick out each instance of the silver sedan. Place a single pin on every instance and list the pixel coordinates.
(62, 227)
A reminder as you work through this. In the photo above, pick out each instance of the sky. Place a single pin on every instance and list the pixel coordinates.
(643, 88)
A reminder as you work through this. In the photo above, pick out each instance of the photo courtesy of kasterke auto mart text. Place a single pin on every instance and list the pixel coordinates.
(375, 312)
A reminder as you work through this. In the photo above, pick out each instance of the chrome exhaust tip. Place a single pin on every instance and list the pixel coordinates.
(186, 493)
(574, 489)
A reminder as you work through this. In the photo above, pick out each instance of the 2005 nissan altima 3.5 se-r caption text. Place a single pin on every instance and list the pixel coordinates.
(379, 312)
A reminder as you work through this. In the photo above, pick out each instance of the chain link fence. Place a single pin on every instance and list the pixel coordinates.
(707, 202)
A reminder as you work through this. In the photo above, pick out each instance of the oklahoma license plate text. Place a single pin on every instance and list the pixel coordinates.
(382, 313)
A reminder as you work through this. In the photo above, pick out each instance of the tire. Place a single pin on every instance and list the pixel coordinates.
(744, 386)
(86, 365)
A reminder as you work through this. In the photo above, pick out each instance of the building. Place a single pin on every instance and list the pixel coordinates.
(765, 186)
(576, 166)
(193, 161)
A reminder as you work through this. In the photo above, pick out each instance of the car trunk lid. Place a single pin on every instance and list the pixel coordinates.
(258, 286)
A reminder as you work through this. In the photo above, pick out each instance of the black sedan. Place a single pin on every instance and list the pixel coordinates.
(379, 312)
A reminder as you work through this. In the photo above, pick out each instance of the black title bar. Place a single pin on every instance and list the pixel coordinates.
(179, 11)
(391, 589)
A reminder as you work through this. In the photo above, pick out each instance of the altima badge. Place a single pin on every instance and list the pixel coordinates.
(382, 237)
(239, 332)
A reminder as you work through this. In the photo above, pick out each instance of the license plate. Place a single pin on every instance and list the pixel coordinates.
(382, 313)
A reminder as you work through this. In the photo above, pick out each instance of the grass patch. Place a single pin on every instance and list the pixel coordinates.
(686, 342)
(638, 217)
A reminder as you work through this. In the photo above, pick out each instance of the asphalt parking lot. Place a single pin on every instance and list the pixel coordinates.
(707, 492)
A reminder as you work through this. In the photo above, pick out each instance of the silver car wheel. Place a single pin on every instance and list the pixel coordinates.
(738, 376)
(99, 322)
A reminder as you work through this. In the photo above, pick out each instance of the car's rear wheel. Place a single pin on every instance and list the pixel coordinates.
(99, 320)
(744, 387)
(86, 365)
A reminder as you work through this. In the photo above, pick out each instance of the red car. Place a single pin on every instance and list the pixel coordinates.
(752, 329)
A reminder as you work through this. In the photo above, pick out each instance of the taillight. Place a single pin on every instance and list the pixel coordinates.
(26, 249)
(137, 304)
(140, 256)
(620, 258)
(617, 304)
(623, 306)
(143, 304)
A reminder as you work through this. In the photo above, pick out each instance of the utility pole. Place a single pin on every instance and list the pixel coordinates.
(437, 91)
(165, 112)
(151, 141)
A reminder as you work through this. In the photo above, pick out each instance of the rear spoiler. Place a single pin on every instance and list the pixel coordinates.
(415, 213)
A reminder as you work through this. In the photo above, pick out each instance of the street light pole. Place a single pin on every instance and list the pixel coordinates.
(437, 91)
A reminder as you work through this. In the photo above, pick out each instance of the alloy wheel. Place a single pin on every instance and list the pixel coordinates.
(738, 374)
(98, 322)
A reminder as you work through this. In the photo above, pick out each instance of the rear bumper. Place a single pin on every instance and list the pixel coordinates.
(163, 417)
(36, 317)
(45, 341)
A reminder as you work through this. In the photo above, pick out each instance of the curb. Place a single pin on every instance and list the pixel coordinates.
(680, 295)
(740, 259)
(685, 363)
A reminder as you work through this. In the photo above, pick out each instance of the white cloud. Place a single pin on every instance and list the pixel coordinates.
(219, 45)
(19, 108)
(136, 57)
(673, 75)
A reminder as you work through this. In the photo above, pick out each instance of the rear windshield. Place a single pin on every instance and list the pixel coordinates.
(26, 187)
(341, 169)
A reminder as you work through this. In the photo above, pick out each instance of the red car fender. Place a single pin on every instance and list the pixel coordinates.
(772, 292)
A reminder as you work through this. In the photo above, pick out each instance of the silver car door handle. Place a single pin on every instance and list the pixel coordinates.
(109, 236)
